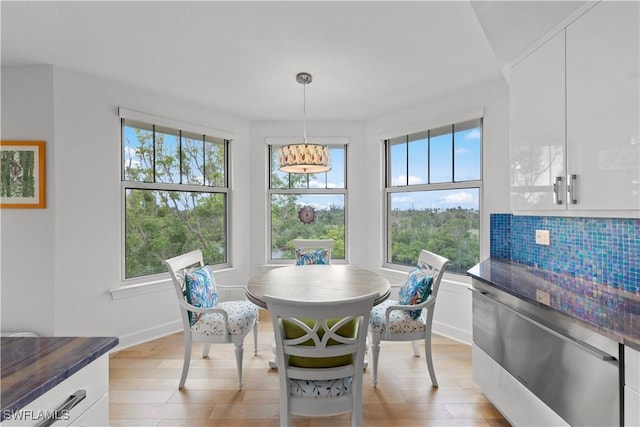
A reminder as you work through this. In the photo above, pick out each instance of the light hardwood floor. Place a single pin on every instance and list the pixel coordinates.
(143, 387)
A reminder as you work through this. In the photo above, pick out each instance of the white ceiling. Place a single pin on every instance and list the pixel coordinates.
(367, 58)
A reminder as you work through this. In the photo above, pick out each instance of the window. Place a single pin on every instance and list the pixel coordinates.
(433, 188)
(307, 206)
(175, 196)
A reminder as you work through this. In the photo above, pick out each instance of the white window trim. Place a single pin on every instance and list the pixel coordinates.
(125, 113)
(155, 282)
(160, 283)
(436, 122)
(439, 121)
(323, 140)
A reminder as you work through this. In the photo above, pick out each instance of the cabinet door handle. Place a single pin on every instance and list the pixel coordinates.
(557, 183)
(65, 407)
(571, 189)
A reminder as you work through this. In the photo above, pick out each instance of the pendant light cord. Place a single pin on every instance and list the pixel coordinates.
(304, 112)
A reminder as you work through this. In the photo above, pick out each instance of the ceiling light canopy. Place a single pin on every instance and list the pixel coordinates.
(304, 157)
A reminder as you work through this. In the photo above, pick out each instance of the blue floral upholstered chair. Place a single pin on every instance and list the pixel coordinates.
(204, 318)
(320, 348)
(405, 319)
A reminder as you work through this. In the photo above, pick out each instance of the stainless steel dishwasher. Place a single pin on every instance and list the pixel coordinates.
(573, 370)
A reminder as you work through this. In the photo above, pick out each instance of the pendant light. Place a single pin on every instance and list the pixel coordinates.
(304, 157)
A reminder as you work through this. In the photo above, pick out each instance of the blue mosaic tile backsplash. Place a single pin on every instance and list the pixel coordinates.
(602, 250)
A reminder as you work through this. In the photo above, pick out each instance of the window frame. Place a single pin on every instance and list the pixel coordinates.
(273, 143)
(389, 189)
(125, 185)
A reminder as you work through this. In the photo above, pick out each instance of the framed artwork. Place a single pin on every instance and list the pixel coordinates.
(22, 174)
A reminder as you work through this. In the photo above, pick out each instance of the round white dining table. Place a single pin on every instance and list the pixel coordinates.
(333, 282)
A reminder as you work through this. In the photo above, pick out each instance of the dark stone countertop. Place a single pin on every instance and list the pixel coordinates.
(612, 312)
(31, 366)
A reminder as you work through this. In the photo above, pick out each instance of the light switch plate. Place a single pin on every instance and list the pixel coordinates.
(542, 237)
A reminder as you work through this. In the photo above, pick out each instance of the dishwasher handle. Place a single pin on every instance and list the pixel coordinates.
(580, 344)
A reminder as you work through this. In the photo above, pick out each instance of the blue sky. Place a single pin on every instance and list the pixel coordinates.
(436, 160)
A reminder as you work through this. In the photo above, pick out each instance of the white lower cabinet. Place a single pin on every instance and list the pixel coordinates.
(631, 407)
(92, 411)
(516, 403)
(631, 387)
(97, 415)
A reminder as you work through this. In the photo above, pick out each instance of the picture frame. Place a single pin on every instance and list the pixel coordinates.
(22, 175)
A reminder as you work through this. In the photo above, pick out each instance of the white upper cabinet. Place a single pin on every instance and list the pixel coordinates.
(574, 107)
(537, 132)
(603, 60)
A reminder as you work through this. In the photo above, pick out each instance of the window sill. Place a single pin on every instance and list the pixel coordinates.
(397, 277)
(131, 290)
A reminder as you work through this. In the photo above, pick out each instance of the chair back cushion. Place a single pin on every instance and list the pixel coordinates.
(311, 257)
(416, 289)
(291, 330)
(200, 289)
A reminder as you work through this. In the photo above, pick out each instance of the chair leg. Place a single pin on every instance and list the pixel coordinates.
(205, 350)
(416, 350)
(239, 353)
(187, 359)
(427, 352)
(255, 337)
(375, 350)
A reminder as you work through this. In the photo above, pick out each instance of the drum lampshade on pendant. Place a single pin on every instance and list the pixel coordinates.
(304, 157)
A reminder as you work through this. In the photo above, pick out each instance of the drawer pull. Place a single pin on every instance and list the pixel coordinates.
(65, 407)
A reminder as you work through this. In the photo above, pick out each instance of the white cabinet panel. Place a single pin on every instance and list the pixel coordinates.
(632, 368)
(575, 111)
(631, 407)
(97, 415)
(516, 403)
(603, 116)
(631, 387)
(537, 131)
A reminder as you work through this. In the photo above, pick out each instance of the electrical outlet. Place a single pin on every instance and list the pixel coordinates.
(543, 297)
(542, 237)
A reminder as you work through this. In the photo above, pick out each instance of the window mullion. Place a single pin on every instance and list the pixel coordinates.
(429, 156)
(153, 161)
(406, 155)
(453, 152)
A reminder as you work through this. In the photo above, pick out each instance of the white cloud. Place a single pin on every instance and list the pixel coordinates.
(402, 199)
(402, 180)
(474, 134)
(458, 198)
(317, 184)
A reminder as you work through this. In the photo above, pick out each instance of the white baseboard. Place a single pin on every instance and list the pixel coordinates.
(457, 334)
(148, 334)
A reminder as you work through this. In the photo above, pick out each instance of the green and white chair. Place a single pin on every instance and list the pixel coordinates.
(320, 350)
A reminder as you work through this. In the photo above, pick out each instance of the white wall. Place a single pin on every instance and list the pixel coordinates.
(27, 235)
(73, 259)
(57, 275)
